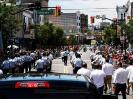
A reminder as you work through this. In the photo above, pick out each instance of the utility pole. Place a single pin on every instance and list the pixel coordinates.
(115, 23)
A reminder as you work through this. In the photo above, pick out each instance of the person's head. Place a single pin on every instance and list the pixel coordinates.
(131, 62)
(84, 65)
(97, 66)
(107, 60)
(119, 64)
(78, 56)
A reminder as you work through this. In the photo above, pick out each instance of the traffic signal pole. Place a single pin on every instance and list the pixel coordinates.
(116, 23)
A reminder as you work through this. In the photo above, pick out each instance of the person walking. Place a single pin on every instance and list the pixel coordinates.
(130, 77)
(119, 80)
(108, 69)
(5, 66)
(77, 63)
(98, 77)
(65, 56)
(84, 71)
(40, 65)
(129, 72)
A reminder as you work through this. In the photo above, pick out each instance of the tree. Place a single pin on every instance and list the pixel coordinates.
(49, 35)
(128, 30)
(8, 23)
(110, 35)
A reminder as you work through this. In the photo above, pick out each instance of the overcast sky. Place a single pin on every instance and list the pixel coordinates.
(90, 7)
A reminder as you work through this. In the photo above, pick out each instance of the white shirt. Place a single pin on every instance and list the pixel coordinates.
(50, 57)
(78, 62)
(45, 59)
(130, 75)
(108, 68)
(1, 72)
(39, 64)
(102, 60)
(84, 71)
(128, 69)
(71, 54)
(62, 53)
(120, 76)
(97, 77)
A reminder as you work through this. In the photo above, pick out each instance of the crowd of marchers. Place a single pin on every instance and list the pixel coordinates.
(112, 70)
(23, 61)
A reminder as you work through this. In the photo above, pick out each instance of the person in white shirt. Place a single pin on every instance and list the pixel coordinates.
(65, 56)
(78, 62)
(130, 77)
(119, 81)
(129, 72)
(98, 77)
(1, 72)
(84, 71)
(108, 70)
(40, 65)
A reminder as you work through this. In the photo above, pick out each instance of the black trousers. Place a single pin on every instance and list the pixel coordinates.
(121, 88)
(75, 69)
(65, 60)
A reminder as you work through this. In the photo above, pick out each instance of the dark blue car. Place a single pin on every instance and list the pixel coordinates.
(47, 86)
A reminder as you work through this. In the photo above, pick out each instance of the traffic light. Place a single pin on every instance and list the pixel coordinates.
(58, 11)
(36, 6)
(92, 19)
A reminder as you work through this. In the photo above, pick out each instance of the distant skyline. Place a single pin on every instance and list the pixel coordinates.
(90, 7)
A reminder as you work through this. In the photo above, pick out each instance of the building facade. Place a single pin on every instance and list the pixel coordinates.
(69, 22)
(72, 23)
(29, 18)
(84, 23)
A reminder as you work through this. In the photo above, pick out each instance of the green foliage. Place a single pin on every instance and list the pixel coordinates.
(128, 29)
(110, 35)
(49, 35)
(71, 40)
(8, 23)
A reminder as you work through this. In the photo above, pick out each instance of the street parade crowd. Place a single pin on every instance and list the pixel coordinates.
(112, 69)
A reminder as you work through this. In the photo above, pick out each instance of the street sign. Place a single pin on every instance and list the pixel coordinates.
(46, 11)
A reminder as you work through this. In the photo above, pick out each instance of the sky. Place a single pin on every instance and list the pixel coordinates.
(90, 7)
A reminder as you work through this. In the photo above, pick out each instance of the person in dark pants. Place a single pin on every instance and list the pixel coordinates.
(65, 57)
(39, 65)
(78, 62)
(120, 79)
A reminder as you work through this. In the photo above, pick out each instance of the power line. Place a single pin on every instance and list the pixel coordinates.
(92, 8)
